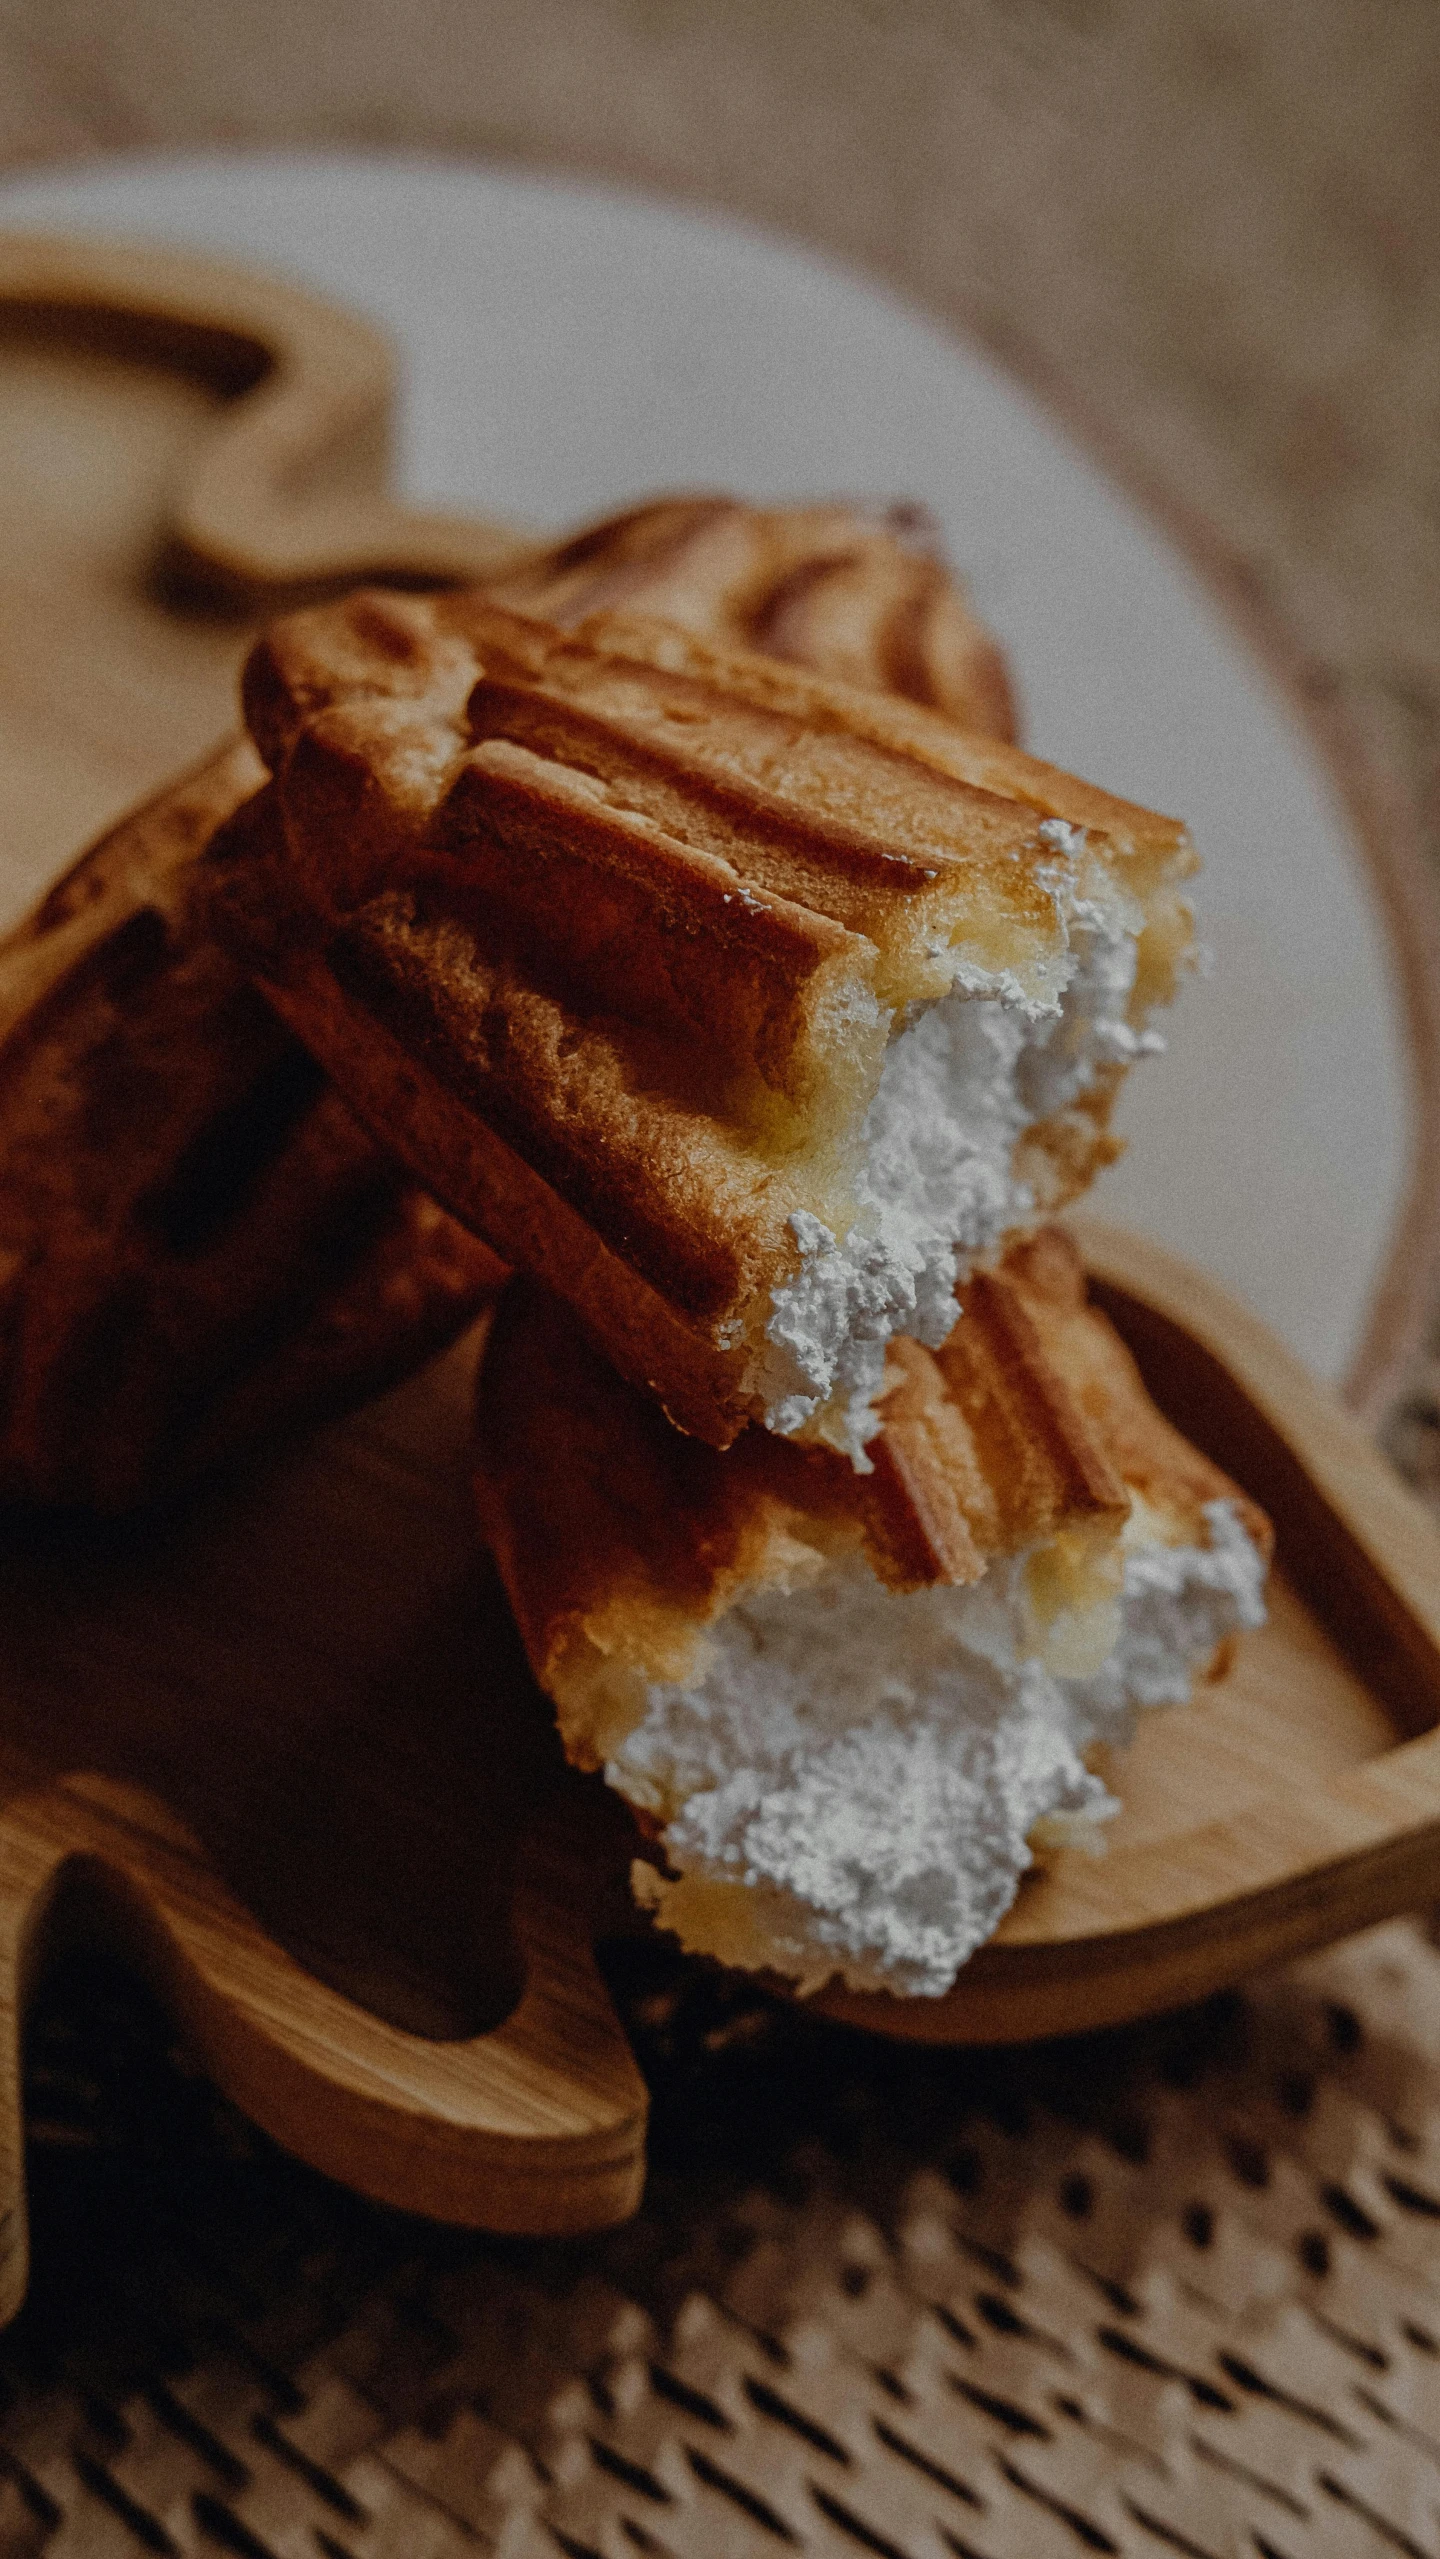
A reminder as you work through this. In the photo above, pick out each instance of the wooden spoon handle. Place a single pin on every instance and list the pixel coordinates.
(535, 2127)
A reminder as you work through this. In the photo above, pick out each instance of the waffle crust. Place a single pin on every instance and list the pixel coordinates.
(602, 931)
(620, 1539)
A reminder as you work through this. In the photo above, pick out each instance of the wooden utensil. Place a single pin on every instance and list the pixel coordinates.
(282, 1751)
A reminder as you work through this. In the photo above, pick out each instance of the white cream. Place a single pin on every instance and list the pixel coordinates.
(861, 1773)
(936, 1185)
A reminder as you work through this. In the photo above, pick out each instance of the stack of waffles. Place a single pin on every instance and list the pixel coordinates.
(671, 943)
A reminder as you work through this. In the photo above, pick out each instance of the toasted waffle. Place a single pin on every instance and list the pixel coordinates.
(1022, 1469)
(612, 934)
(199, 1244)
(861, 594)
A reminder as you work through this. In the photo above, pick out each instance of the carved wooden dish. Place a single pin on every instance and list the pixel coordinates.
(282, 1751)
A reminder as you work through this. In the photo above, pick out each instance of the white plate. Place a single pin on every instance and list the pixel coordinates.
(568, 348)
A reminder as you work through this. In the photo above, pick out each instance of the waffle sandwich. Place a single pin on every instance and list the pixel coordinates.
(744, 1007)
(848, 1710)
(199, 1243)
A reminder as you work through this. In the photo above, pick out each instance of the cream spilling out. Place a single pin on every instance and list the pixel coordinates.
(941, 1176)
(851, 1709)
(741, 1006)
(857, 1778)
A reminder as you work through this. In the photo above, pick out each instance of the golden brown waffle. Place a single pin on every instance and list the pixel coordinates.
(199, 1244)
(854, 593)
(620, 1540)
(606, 933)
(836, 1777)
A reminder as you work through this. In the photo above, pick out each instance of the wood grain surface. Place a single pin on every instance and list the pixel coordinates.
(282, 1748)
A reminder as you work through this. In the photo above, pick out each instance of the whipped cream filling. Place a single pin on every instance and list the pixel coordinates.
(936, 1184)
(856, 1779)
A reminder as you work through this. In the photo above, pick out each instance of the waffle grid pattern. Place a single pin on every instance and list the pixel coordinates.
(1175, 2291)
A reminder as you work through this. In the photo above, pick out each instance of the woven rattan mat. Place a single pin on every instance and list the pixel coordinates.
(1174, 2290)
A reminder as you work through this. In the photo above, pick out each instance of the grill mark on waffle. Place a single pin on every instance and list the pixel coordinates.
(890, 622)
(985, 762)
(681, 552)
(598, 1119)
(846, 591)
(812, 808)
(607, 907)
(200, 1244)
(664, 891)
(903, 637)
(812, 759)
(643, 538)
(929, 1504)
(755, 830)
(830, 891)
(1039, 1451)
(841, 829)
(786, 625)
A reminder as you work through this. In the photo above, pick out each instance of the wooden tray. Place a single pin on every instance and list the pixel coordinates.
(283, 1750)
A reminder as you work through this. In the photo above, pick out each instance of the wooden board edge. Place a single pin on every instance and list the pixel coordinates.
(536, 2128)
(288, 496)
(1356, 1482)
(1026, 1993)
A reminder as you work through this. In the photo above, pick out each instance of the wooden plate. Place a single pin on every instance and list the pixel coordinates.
(282, 1750)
